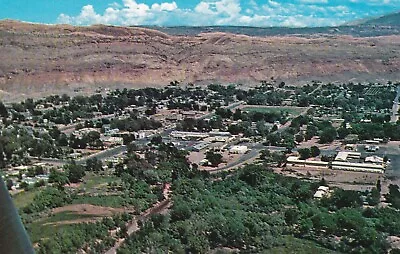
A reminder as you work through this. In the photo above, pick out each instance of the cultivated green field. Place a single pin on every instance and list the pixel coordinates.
(300, 246)
(94, 181)
(24, 198)
(293, 111)
(48, 227)
(108, 201)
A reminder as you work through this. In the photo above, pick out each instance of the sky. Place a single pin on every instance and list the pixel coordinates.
(260, 13)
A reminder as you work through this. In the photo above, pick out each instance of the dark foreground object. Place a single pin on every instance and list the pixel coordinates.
(13, 237)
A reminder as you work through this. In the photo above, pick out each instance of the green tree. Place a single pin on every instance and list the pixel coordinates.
(93, 164)
(393, 196)
(305, 153)
(156, 140)
(374, 197)
(3, 110)
(327, 135)
(343, 198)
(74, 172)
(378, 185)
(299, 138)
(24, 185)
(58, 178)
(9, 184)
(314, 150)
(214, 158)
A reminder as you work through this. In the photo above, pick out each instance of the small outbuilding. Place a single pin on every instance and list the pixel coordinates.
(238, 149)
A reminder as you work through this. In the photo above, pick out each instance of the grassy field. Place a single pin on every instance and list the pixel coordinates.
(38, 231)
(299, 246)
(67, 216)
(98, 185)
(48, 227)
(93, 181)
(293, 111)
(24, 198)
(109, 201)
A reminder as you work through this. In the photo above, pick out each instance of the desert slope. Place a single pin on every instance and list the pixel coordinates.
(40, 57)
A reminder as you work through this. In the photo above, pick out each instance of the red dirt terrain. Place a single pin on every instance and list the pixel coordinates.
(48, 59)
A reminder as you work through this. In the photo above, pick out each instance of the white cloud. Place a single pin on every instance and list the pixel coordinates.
(298, 13)
(314, 1)
(229, 7)
(274, 4)
(203, 8)
(165, 6)
(129, 13)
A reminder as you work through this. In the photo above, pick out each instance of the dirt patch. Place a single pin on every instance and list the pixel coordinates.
(86, 209)
(77, 221)
(90, 213)
(348, 180)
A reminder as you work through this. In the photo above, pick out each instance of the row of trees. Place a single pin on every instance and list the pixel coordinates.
(230, 213)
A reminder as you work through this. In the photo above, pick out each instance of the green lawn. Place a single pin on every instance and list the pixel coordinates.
(294, 111)
(43, 228)
(92, 181)
(299, 246)
(110, 201)
(38, 231)
(67, 215)
(24, 198)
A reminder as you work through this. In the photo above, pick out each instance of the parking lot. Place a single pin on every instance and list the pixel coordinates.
(391, 150)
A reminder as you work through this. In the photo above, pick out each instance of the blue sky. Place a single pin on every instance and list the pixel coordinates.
(265, 13)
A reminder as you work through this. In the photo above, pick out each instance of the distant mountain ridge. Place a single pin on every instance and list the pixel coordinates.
(392, 19)
(358, 28)
(37, 59)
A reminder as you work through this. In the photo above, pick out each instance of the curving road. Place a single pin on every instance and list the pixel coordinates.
(395, 109)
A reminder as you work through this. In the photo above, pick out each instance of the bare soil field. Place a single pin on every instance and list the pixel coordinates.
(89, 210)
(84, 213)
(348, 180)
(37, 60)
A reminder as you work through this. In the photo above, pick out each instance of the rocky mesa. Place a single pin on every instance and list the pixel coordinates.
(44, 57)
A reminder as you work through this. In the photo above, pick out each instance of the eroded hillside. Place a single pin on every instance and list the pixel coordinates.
(39, 57)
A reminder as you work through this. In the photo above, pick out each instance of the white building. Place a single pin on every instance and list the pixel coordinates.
(238, 149)
(200, 146)
(113, 140)
(296, 161)
(361, 167)
(321, 192)
(139, 135)
(344, 156)
(188, 135)
(374, 159)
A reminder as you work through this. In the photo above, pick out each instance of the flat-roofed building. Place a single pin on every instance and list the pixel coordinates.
(374, 159)
(321, 192)
(200, 146)
(344, 156)
(188, 135)
(220, 133)
(363, 167)
(296, 161)
(239, 149)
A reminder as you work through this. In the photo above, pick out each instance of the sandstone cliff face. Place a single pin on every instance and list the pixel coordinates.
(40, 57)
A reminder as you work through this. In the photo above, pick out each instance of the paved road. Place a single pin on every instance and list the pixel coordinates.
(247, 157)
(231, 106)
(288, 123)
(71, 127)
(316, 89)
(395, 109)
(391, 150)
(104, 154)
